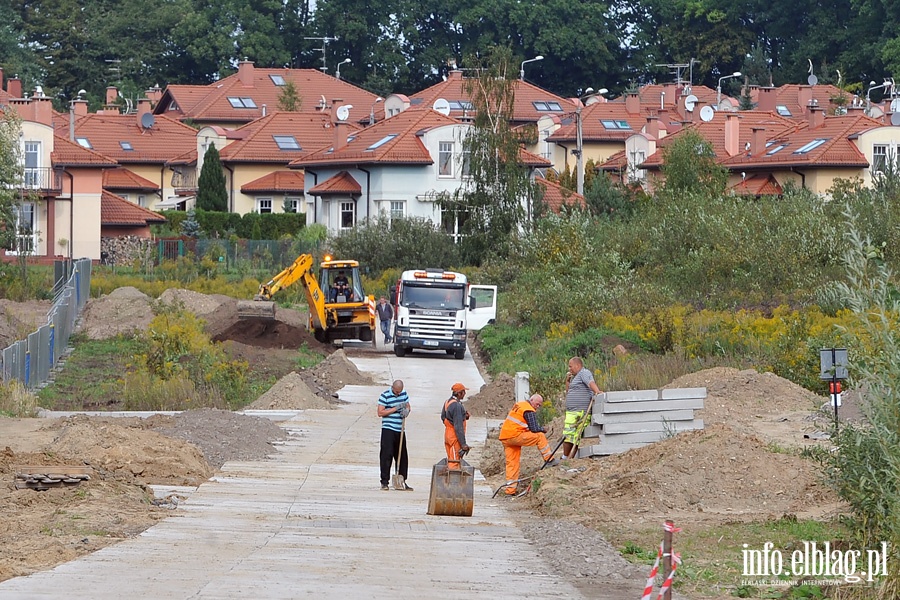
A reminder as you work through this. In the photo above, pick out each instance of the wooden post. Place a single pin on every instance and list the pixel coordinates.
(667, 555)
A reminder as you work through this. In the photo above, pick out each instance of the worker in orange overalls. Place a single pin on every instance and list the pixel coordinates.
(454, 415)
(521, 428)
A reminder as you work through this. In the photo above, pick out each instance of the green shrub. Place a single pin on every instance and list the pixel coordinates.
(16, 401)
(398, 243)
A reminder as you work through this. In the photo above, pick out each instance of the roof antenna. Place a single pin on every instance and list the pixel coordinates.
(812, 79)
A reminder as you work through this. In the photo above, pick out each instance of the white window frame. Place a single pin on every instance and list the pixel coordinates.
(32, 158)
(293, 202)
(142, 200)
(346, 207)
(454, 228)
(27, 239)
(445, 160)
(879, 151)
(264, 205)
(396, 209)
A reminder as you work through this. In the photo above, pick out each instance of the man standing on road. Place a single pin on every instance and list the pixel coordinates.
(393, 408)
(580, 388)
(385, 314)
(521, 428)
(454, 415)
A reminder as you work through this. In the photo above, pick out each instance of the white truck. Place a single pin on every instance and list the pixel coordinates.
(434, 309)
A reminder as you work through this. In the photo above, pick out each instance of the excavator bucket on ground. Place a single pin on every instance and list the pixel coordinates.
(256, 309)
(452, 489)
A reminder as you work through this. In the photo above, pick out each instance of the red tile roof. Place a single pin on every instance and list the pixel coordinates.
(524, 109)
(123, 179)
(277, 181)
(397, 140)
(107, 133)
(837, 149)
(788, 95)
(311, 130)
(341, 183)
(211, 102)
(556, 196)
(533, 160)
(714, 132)
(115, 210)
(70, 154)
(593, 128)
(758, 185)
(616, 162)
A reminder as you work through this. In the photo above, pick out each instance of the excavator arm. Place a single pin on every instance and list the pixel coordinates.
(301, 270)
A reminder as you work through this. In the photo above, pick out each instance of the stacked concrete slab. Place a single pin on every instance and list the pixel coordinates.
(634, 418)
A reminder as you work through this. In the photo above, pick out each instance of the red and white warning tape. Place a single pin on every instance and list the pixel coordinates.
(676, 560)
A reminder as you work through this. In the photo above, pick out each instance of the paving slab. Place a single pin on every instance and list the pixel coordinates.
(312, 522)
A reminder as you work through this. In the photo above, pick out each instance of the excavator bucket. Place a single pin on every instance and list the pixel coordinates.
(452, 489)
(256, 309)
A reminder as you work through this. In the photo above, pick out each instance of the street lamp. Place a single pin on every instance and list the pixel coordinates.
(873, 86)
(522, 66)
(372, 111)
(579, 146)
(343, 62)
(719, 87)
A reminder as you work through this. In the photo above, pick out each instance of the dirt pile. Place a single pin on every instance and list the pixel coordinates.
(194, 302)
(494, 399)
(123, 311)
(125, 451)
(290, 393)
(333, 373)
(18, 319)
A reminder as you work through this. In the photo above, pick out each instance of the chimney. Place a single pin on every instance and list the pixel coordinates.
(14, 87)
(804, 96)
(816, 116)
(143, 108)
(245, 72)
(112, 94)
(757, 141)
(632, 103)
(652, 128)
(340, 127)
(455, 74)
(154, 94)
(43, 109)
(80, 107)
(732, 134)
(767, 99)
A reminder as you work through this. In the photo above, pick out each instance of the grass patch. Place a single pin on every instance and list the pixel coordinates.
(308, 358)
(16, 401)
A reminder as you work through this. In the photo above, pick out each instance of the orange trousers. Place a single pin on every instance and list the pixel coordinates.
(452, 446)
(513, 448)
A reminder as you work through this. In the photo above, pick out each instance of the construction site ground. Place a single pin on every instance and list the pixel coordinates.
(314, 465)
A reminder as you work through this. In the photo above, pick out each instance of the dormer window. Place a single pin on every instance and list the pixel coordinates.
(547, 106)
(277, 79)
(286, 142)
(382, 142)
(127, 146)
(84, 143)
(173, 105)
(241, 102)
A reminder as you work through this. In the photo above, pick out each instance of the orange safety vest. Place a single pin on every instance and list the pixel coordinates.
(515, 422)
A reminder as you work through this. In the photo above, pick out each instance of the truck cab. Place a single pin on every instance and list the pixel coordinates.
(435, 309)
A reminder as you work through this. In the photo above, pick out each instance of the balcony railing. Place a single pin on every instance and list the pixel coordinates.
(184, 182)
(42, 179)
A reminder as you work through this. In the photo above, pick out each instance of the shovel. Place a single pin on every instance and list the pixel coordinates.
(397, 479)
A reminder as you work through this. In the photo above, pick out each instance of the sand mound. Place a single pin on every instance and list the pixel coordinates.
(126, 452)
(123, 311)
(336, 371)
(18, 319)
(290, 393)
(494, 399)
(718, 470)
(194, 302)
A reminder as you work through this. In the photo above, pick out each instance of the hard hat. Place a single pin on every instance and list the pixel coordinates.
(458, 387)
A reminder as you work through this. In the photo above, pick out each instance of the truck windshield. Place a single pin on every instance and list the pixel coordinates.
(436, 298)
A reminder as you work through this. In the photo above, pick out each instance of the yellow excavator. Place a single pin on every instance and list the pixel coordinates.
(341, 311)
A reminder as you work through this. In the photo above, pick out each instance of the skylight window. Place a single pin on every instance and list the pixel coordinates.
(460, 105)
(84, 143)
(382, 141)
(614, 124)
(776, 149)
(547, 106)
(126, 146)
(277, 79)
(241, 102)
(810, 146)
(286, 142)
(783, 110)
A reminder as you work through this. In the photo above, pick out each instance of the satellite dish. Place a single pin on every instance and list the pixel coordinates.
(147, 120)
(895, 105)
(343, 112)
(441, 106)
(707, 113)
(812, 80)
(690, 102)
(895, 119)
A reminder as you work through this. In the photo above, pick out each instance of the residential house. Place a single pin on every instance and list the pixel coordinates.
(254, 92)
(555, 197)
(256, 158)
(792, 100)
(399, 167)
(121, 218)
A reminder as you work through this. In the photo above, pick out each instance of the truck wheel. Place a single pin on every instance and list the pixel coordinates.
(400, 351)
(460, 354)
(365, 334)
(450, 351)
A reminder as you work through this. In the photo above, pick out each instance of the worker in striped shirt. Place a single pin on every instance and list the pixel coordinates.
(580, 388)
(393, 407)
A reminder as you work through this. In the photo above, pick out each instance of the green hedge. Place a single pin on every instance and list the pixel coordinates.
(270, 226)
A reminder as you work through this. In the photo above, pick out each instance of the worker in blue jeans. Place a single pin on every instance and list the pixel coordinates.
(385, 314)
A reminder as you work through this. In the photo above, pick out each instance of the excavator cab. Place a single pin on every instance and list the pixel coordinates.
(346, 299)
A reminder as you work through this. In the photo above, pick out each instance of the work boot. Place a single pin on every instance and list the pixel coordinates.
(406, 487)
(554, 462)
(384, 487)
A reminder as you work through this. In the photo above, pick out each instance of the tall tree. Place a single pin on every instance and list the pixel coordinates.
(211, 191)
(499, 190)
(690, 167)
(289, 99)
(11, 176)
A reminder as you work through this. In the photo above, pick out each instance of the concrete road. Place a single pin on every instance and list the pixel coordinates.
(312, 521)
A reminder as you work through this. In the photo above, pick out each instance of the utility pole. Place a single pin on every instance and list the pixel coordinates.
(579, 148)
